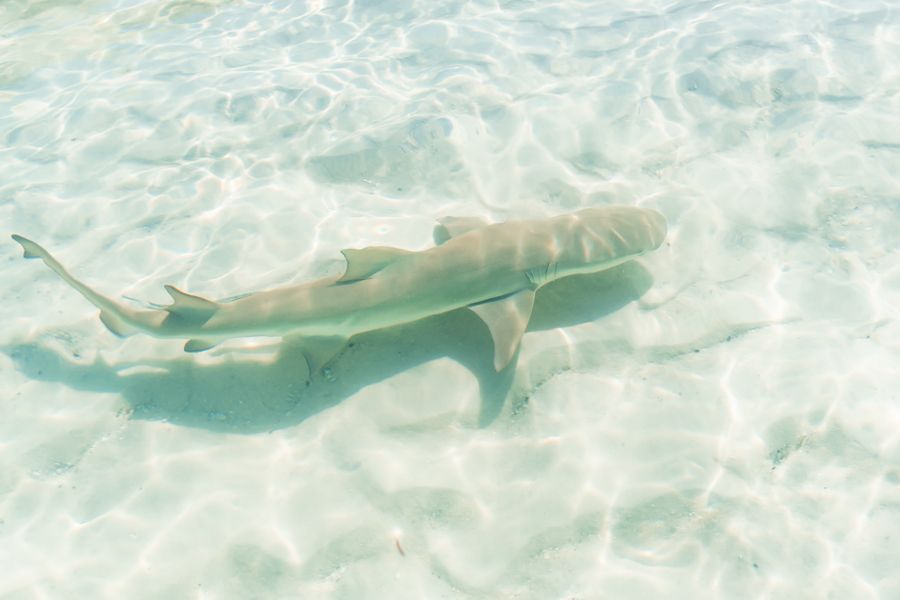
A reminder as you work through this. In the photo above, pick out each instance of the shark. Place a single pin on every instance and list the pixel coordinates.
(493, 269)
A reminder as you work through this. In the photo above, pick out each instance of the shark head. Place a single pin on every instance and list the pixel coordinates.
(595, 239)
(631, 229)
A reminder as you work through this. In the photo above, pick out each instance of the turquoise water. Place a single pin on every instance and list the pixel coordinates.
(719, 419)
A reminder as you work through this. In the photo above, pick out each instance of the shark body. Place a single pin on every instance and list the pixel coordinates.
(494, 269)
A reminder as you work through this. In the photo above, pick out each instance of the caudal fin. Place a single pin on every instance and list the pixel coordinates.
(32, 250)
(117, 318)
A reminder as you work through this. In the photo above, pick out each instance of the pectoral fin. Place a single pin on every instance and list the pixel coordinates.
(199, 345)
(365, 262)
(451, 227)
(507, 319)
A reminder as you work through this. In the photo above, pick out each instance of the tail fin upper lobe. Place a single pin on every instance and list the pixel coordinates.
(117, 318)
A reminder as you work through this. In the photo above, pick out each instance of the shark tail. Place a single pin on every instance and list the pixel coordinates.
(119, 319)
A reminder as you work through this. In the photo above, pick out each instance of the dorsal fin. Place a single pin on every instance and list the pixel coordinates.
(188, 306)
(451, 227)
(365, 262)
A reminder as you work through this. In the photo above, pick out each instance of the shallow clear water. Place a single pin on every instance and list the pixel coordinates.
(720, 419)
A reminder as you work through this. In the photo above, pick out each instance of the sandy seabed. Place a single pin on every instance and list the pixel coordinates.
(720, 419)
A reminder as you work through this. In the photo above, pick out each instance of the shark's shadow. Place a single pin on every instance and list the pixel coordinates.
(243, 395)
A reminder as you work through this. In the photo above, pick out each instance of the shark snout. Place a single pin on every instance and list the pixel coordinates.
(657, 227)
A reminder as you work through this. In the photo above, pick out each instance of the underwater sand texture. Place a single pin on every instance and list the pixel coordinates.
(720, 419)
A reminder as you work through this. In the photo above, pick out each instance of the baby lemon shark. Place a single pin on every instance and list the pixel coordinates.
(493, 269)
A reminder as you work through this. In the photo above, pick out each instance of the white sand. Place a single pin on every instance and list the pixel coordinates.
(719, 420)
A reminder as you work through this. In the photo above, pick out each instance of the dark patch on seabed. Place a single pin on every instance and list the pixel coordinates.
(247, 396)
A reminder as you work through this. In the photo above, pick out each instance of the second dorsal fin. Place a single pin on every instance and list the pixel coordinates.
(365, 262)
(190, 307)
(451, 227)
